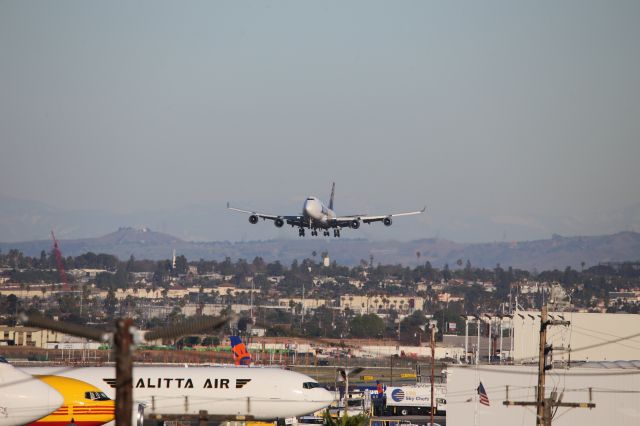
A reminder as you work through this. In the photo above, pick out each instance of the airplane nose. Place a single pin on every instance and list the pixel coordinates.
(55, 400)
(327, 397)
(309, 209)
(320, 397)
(41, 407)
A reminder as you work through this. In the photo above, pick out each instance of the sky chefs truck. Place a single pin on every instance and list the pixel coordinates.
(413, 400)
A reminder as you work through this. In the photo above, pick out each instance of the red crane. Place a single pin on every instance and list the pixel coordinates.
(59, 263)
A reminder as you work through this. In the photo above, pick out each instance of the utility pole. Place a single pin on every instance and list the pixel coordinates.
(542, 370)
(544, 406)
(122, 340)
(434, 328)
(466, 339)
(490, 338)
(478, 344)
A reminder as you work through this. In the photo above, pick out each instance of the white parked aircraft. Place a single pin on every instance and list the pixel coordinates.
(23, 399)
(315, 215)
(224, 392)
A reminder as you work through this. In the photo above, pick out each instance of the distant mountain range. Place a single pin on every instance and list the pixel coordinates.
(25, 220)
(557, 252)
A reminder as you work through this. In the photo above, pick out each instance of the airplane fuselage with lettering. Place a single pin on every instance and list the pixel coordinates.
(260, 393)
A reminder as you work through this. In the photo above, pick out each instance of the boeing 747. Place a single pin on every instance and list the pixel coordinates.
(316, 216)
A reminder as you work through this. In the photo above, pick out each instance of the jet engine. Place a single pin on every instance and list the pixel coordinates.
(253, 219)
(355, 224)
(278, 222)
(387, 221)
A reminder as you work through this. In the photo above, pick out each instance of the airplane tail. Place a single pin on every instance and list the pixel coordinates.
(240, 354)
(333, 189)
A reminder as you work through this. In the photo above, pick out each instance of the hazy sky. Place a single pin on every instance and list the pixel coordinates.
(509, 112)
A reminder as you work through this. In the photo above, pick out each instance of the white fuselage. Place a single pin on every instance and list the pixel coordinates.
(316, 211)
(260, 393)
(24, 399)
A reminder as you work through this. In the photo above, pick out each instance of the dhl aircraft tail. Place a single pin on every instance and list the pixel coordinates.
(240, 354)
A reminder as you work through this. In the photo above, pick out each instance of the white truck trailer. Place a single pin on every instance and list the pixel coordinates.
(414, 400)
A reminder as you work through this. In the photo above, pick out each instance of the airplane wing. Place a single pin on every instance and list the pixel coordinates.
(293, 220)
(345, 220)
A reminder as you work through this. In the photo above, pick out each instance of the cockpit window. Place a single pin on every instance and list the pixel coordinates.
(310, 199)
(310, 385)
(96, 396)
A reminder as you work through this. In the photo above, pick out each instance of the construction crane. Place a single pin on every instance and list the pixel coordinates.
(59, 263)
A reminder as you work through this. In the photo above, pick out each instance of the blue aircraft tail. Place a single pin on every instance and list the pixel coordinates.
(240, 354)
(333, 191)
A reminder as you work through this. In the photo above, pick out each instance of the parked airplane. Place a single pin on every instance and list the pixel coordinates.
(223, 392)
(315, 215)
(84, 404)
(22, 399)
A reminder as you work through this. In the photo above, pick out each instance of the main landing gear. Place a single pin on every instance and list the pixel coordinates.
(314, 232)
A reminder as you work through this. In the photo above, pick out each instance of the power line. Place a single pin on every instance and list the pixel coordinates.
(584, 348)
(608, 373)
(608, 342)
(594, 334)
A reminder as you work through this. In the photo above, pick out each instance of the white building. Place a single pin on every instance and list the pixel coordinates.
(39, 338)
(376, 303)
(615, 391)
(308, 303)
(591, 336)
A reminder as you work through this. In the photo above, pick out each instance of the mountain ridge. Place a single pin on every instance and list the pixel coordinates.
(557, 252)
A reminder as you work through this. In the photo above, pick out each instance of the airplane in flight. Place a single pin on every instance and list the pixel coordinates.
(224, 392)
(316, 216)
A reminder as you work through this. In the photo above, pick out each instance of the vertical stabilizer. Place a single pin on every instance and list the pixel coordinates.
(333, 189)
(240, 354)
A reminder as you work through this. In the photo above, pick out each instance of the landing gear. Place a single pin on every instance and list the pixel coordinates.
(325, 233)
(336, 233)
(301, 232)
(314, 233)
